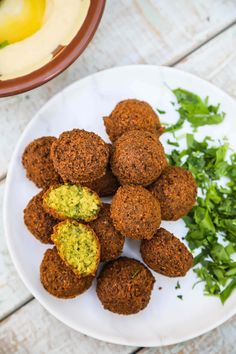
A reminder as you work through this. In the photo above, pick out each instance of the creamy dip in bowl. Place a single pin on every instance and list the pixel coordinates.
(40, 38)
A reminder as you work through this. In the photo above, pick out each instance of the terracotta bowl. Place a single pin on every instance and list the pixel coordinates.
(63, 56)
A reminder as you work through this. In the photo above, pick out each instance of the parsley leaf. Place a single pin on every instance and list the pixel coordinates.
(195, 110)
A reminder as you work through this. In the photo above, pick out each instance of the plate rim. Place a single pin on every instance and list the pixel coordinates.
(37, 296)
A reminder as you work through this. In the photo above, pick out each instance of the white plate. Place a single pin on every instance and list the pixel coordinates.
(167, 319)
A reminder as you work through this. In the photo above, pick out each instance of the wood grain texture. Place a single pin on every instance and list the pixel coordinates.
(12, 291)
(216, 61)
(31, 330)
(132, 31)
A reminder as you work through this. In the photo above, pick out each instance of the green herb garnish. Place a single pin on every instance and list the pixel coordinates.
(135, 273)
(160, 111)
(195, 110)
(4, 44)
(180, 297)
(173, 143)
(177, 286)
(212, 222)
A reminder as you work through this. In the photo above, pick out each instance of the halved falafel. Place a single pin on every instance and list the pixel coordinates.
(38, 164)
(166, 254)
(78, 246)
(135, 212)
(124, 286)
(138, 158)
(131, 114)
(111, 240)
(71, 201)
(58, 279)
(38, 222)
(176, 191)
(80, 156)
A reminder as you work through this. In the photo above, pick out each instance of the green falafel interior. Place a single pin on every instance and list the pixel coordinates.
(72, 201)
(78, 246)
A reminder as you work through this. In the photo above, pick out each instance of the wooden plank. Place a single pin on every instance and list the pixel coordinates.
(215, 62)
(12, 291)
(32, 330)
(133, 31)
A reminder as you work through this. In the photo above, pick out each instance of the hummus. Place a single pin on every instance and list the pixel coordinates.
(61, 22)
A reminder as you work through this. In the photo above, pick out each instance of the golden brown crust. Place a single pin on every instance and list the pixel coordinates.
(135, 212)
(38, 164)
(58, 279)
(131, 114)
(138, 158)
(106, 185)
(124, 286)
(60, 216)
(80, 156)
(111, 240)
(166, 254)
(97, 260)
(176, 191)
(38, 222)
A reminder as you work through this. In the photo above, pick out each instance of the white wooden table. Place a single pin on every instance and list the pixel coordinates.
(198, 36)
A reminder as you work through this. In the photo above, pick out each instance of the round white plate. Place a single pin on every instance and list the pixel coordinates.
(167, 319)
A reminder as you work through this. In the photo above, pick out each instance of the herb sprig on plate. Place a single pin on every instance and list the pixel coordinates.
(195, 110)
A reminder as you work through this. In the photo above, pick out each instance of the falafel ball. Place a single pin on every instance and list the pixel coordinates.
(38, 164)
(124, 286)
(80, 156)
(111, 240)
(106, 185)
(176, 191)
(135, 212)
(166, 254)
(38, 222)
(138, 158)
(58, 279)
(131, 114)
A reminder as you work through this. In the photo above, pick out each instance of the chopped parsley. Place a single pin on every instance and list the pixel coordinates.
(180, 297)
(212, 222)
(4, 44)
(160, 111)
(195, 110)
(177, 286)
(173, 143)
(135, 273)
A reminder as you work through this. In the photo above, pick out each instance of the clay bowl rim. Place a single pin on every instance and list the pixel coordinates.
(62, 59)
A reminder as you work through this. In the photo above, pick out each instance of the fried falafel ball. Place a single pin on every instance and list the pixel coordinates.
(106, 185)
(78, 246)
(38, 164)
(111, 240)
(124, 286)
(58, 279)
(138, 158)
(176, 191)
(135, 212)
(166, 254)
(131, 114)
(68, 201)
(80, 156)
(38, 222)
